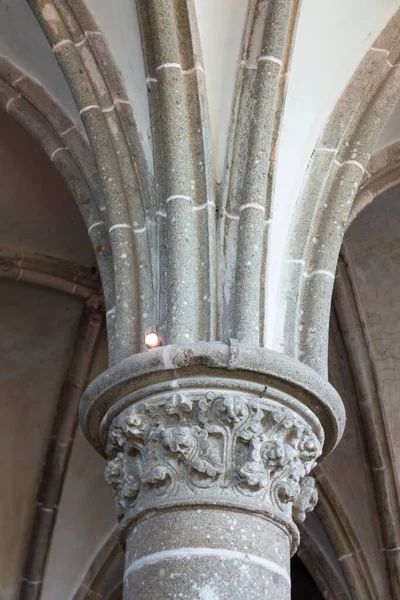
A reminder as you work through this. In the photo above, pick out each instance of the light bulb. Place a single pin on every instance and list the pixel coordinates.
(152, 340)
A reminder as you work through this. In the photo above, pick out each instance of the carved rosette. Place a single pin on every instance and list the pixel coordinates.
(226, 448)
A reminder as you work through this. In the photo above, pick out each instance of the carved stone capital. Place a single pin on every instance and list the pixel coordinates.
(212, 425)
(213, 447)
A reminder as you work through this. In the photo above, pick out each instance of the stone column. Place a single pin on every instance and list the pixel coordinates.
(210, 448)
(209, 444)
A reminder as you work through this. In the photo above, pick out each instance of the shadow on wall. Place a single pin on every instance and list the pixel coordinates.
(303, 585)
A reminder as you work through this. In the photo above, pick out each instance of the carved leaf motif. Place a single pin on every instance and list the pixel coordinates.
(123, 475)
(181, 441)
(114, 470)
(130, 487)
(254, 475)
(306, 500)
(136, 425)
(203, 465)
(188, 443)
(179, 405)
(116, 440)
(283, 493)
(230, 410)
(308, 448)
(158, 476)
(274, 454)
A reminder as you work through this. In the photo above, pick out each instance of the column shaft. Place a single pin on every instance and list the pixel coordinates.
(207, 554)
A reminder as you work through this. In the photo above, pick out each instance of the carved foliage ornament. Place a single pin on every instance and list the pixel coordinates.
(200, 446)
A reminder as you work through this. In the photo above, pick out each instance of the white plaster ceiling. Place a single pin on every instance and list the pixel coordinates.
(22, 41)
(221, 24)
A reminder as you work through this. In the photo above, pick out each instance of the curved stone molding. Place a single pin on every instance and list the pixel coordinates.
(318, 562)
(370, 405)
(247, 189)
(334, 173)
(103, 577)
(157, 222)
(383, 173)
(32, 106)
(58, 274)
(122, 171)
(213, 447)
(58, 452)
(177, 367)
(345, 542)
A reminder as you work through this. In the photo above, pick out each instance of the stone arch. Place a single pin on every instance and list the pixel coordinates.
(106, 112)
(28, 102)
(382, 174)
(316, 560)
(341, 156)
(29, 269)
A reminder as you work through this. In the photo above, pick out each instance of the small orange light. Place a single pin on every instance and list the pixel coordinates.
(152, 340)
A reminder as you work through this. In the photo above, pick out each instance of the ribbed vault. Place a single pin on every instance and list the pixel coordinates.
(175, 177)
